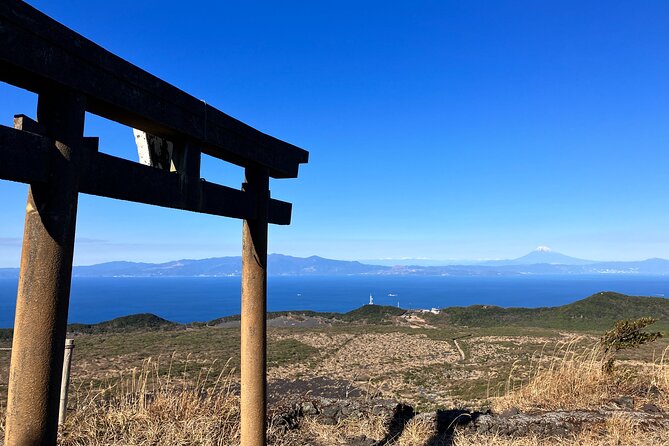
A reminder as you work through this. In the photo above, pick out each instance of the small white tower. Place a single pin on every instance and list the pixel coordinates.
(371, 299)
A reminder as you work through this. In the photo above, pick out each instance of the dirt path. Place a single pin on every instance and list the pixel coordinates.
(462, 352)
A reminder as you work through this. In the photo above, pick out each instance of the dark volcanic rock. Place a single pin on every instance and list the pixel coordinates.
(623, 402)
(511, 423)
(286, 391)
(557, 423)
(650, 407)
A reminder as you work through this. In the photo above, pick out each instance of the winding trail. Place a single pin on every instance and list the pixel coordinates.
(462, 352)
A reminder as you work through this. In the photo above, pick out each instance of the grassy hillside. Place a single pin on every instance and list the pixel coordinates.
(300, 314)
(372, 314)
(133, 322)
(367, 314)
(144, 321)
(596, 312)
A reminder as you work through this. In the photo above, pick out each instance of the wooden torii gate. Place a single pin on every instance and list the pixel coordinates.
(72, 76)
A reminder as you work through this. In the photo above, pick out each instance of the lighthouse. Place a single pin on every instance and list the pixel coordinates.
(371, 299)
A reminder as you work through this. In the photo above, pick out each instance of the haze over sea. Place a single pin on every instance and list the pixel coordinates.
(188, 299)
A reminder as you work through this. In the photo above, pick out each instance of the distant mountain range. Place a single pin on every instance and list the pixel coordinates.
(542, 254)
(539, 262)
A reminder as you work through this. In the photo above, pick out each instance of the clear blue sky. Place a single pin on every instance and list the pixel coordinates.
(445, 129)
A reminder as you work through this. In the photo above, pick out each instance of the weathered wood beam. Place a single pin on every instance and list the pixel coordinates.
(109, 176)
(37, 53)
(24, 157)
(280, 212)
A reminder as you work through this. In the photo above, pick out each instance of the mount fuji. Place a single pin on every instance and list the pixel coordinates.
(541, 255)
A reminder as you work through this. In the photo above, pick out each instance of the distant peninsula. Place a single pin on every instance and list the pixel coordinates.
(538, 262)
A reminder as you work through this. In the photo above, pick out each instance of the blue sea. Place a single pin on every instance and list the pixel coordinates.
(204, 298)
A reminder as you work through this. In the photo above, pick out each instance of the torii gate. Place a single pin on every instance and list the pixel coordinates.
(71, 76)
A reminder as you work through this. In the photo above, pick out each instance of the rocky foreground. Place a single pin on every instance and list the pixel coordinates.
(327, 403)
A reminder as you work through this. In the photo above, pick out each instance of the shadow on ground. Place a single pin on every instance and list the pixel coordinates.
(402, 414)
(446, 421)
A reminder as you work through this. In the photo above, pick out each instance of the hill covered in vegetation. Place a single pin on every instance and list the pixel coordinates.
(596, 312)
(133, 322)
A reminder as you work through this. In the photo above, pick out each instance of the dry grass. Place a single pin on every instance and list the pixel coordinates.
(649, 439)
(418, 432)
(190, 402)
(576, 380)
(150, 407)
(343, 433)
(346, 356)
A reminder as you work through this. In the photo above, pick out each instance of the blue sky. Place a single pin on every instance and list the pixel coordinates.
(442, 130)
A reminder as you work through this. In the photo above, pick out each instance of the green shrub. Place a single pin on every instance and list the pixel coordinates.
(625, 334)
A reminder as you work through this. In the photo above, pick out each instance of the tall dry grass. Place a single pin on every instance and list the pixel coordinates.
(152, 406)
(573, 378)
(342, 432)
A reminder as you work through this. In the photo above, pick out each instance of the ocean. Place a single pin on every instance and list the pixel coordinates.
(188, 299)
